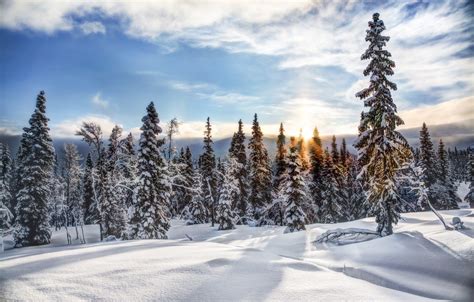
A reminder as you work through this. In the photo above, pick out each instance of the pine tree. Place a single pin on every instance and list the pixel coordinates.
(260, 173)
(5, 187)
(275, 213)
(237, 150)
(469, 198)
(72, 180)
(381, 147)
(225, 215)
(89, 207)
(148, 217)
(208, 171)
(302, 150)
(195, 212)
(427, 157)
(331, 210)
(294, 191)
(36, 159)
(443, 192)
(316, 180)
(334, 151)
(127, 170)
(344, 154)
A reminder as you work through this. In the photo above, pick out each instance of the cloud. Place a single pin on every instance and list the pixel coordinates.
(453, 111)
(99, 101)
(212, 92)
(92, 28)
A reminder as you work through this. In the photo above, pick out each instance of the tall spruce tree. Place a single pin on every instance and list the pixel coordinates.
(225, 215)
(444, 191)
(316, 181)
(275, 213)
(469, 198)
(427, 157)
(381, 147)
(72, 181)
(294, 191)
(36, 160)
(331, 210)
(260, 173)
(237, 150)
(148, 216)
(89, 207)
(195, 212)
(5, 186)
(209, 173)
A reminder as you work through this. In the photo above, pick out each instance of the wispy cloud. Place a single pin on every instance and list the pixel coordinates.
(99, 101)
(94, 27)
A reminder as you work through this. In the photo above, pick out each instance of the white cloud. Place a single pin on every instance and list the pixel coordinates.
(92, 28)
(99, 101)
(452, 111)
(212, 92)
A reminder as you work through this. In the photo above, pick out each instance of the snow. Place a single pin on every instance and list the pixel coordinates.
(420, 261)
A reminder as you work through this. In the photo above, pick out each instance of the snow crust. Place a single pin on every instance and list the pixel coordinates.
(420, 261)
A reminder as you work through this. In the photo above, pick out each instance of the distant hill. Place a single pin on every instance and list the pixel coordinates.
(460, 135)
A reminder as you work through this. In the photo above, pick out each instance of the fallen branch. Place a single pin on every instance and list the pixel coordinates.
(347, 236)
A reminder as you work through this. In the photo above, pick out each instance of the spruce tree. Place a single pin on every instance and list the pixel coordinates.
(443, 191)
(316, 180)
(294, 191)
(127, 170)
(237, 150)
(195, 212)
(427, 157)
(331, 210)
(275, 214)
(302, 150)
(36, 159)
(225, 215)
(72, 180)
(381, 147)
(148, 216)
(334, 151)
(260, 173)
(469, 198)
(89, 207)
(208, 171)
(5, 187)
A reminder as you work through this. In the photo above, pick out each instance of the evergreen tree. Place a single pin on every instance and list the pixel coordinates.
(469, 198)
(127, 170)
(148, 219)
(237, 150)
(294, 191)
(331, 210)
(208, 171)
(72, 180)
(443, 191)
(355, 204)
(5, 187)
(260, 173)
(36, 159)
(302, 150)
(344, 154)
(225, 215)
(334, 151)
(427, 157)
(316, 180)
(195, 212)
(89, 207)
(275, 214)
(381, 147)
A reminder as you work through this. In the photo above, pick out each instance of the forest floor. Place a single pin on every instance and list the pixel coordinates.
(420, 261)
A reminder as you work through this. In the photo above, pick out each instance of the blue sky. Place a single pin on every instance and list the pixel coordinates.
(296, 62)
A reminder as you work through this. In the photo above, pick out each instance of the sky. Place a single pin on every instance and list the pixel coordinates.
(296, 62)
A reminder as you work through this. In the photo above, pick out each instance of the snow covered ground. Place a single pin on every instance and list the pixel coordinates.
(421, 261)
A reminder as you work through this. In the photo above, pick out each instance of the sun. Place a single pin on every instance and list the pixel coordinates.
(307, 133)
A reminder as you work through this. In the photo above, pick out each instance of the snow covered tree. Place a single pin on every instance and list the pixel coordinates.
(302, 149)
(35, 159)
(237, 150)
(381, 147)
(355, 206)
(443, 190)
(260, 173)
(172, 129)
(344, 154)
(72, 180)
(469, 198)
(294, 191)
(5, 183)
(208, 171)
(195, 212)
(427, 157)
(148, 215)
(331, 210)
(316, 180)
(225, 215)
(275, 212)
(334, 151)
(126, 170)
(89, 207)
